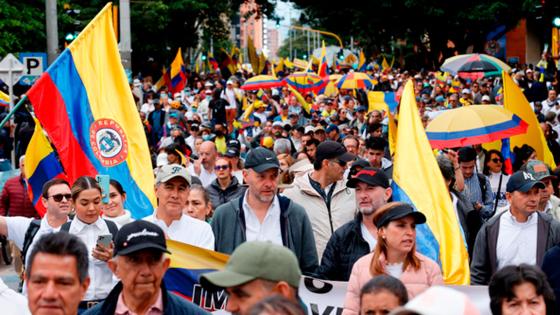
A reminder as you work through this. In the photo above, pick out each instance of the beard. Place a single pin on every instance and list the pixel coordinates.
(366, 210)
(376, 204)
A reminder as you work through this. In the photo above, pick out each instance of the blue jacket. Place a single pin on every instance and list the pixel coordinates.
(228, 224)
(172, 304)
(550, 264)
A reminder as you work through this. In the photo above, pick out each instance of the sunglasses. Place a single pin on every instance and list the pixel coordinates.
(496, 160)
(221, 167)
(59, 197)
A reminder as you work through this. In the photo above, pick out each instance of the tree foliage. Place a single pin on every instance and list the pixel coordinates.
(423, 26)
(22, 25)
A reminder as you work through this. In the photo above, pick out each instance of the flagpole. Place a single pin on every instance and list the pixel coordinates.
(12, 112)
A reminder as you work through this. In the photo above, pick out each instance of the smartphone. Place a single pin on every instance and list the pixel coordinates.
(104, 240)
(104, 181)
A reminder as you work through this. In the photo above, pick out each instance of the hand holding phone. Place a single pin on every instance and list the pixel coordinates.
(104, 240)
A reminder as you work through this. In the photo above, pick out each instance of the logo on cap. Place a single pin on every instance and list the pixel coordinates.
(144, 232)
(175, 170)
(365, 172)
(527, 176)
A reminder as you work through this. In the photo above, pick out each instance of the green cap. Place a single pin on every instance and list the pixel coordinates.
(538, 169)
(256, 260)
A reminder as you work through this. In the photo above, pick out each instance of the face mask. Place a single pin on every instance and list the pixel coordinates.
(205, 137)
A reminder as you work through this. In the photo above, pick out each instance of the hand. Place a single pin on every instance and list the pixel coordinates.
(453, 157)
(103, 253)
(477, 205)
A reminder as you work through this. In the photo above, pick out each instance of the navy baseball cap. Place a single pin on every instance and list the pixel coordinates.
(261, 159)
(523, 181)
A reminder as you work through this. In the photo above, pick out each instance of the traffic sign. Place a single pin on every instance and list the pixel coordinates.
(11, 69)
(35, 64)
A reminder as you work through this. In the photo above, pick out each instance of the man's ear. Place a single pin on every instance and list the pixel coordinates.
(112, 264)
(284, 289)
(84, 286)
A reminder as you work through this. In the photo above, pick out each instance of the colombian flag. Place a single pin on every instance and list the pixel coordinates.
(323, 70)
(177, 74)
(362, 64)
(4, 99)
(187, 264)
(85, 105)
(382, 101)
(417, 180)
(41, 165)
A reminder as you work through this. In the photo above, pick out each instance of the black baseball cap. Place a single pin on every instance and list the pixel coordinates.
(369, 175)
(139, 235)
(399, 212)
(232, 152)
(261, 159)
(523, 181)
(333, 150)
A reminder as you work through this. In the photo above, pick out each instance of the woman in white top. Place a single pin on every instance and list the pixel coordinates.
(494, 168)
(115, 211)
(88, 226)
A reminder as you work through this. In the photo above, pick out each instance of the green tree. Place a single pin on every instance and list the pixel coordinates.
(22, 25)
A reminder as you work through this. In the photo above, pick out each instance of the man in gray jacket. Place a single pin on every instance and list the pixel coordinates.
(519, 235)
(260, 214)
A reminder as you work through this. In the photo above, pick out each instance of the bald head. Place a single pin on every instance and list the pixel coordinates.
(208, 154)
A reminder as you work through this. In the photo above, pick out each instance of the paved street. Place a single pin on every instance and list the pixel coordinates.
(9, 276)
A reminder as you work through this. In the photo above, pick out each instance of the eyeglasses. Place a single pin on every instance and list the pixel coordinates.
(496, 160)
(221, 167)
(59, 197)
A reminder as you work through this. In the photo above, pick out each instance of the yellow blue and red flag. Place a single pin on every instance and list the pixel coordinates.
(382, 101)
(362, 64)
(4, 99)
(417, 180)
(323, 70)
(41, 165)
(84, 103)
(177, 73)
(188, 263)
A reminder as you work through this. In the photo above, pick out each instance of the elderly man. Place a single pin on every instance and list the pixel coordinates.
(254, 271)
(323, 193)
(522, 234)
(57, 278)
(205, 168)
(172, 190)
(359, 236)
(140, 264)
(261, 214)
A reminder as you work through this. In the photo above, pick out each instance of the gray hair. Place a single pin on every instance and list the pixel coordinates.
(446, 167)
(282, 146)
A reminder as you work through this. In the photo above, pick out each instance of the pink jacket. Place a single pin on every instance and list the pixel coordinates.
(415, 281)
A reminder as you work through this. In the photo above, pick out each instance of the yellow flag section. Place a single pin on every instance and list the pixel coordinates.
(376, 101)
(515, 101)
(97, 60)
(417, 180)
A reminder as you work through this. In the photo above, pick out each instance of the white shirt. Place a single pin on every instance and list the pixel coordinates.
(517, 241)
(121, 219)
(187, 230)
(269, 229)
(206, 178)
(368, 237)
(147, 108)
(101, 276)
(394, 270)
(494, 179)
(11, 302)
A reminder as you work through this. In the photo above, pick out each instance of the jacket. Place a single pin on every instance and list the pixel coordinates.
(415, 281)
(172, 304)
(219, 196)
(15, 200)
(550, 264)
(323, 220)
(553, 207)
(344, 248)
(469, 219)
(228, 224)
(484, 261)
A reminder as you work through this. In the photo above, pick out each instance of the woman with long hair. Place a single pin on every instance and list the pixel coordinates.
(494, 169)
(394, 254)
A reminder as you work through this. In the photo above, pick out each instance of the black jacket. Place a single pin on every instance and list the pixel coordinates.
(172, 304)
(219, 196)
(345, 246)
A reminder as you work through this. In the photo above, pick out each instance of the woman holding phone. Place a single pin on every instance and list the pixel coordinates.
(114, 211)
(97, 234)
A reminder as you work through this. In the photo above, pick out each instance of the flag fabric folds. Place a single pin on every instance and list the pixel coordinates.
(163, 81)
(4, 99)
(417, 180)
(187, 264)
(382, 101)
(177, 73)
(323, 70)
(41, 165)
(84, 103)
(517, 103)
(362, 64)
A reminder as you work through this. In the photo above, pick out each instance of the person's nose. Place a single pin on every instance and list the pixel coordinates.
(49, 292)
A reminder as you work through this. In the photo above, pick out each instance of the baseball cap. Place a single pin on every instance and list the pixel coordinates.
(332, 127)
(234, 143)
(139, 235)
(399, 212)
(232, 152)
(256, 260)
(486, 98)
(369, 175)
(361, 108)
(331, 150)
(261, 159)
(439, 300)
(170, 171)
(523, 181)
(538, 169)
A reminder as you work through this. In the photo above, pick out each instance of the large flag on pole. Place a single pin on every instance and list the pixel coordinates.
(41, 165)
(515, 101)
(177, 73)
(85, 105)
(323, 70)
(417, 180)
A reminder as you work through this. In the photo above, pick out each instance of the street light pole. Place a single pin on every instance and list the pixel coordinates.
(52, 30)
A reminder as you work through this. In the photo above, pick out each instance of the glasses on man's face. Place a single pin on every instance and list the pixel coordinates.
(221, 167)
(497, 160)
(59, 197)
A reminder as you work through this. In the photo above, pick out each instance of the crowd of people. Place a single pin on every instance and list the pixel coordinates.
(288, 192)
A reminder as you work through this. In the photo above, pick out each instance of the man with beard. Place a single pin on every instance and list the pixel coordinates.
(261, 214)
(359, 236)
